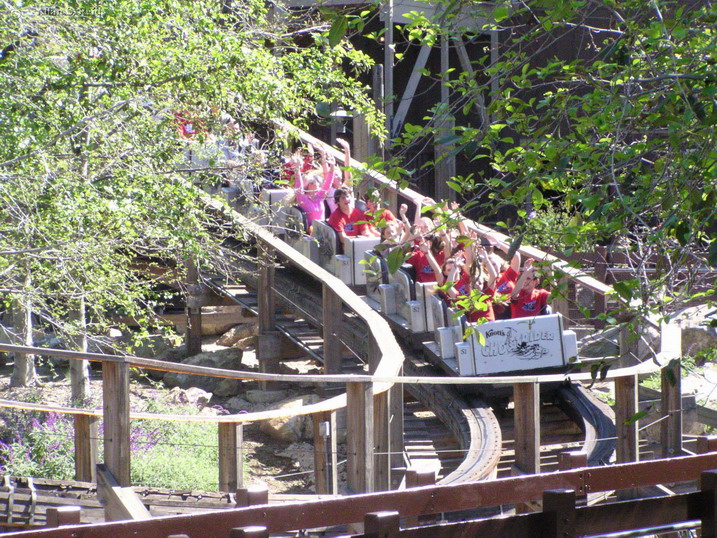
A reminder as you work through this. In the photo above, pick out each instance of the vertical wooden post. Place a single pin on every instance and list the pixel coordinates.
(601, 274)
(325, 460)
(115, 408)
(559, 506)
(395, 426)
(574, 460)
(708, 503)
(252, 531)
(526, 400)
(86, 443)
(359, 437)
(63, 515)
(382, 441)
(561, 304)
(266, 307)
(388, 57)
(332, 325)
(629, 340)
(706, 443)
(381, 524)
(252, 496)
(445, 162)
(671, 406)
(416, 478)
(231, 456)
(626, 407)
(193, 335)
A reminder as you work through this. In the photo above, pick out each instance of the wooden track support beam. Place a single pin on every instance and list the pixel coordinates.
(193, 333)
(231, 456)
(325, 453)
(382, 524)
(86, 447)
(360, 437)
(115, 409)
(671, 406)
(331, 331)
(626, 407)
(121, 502)
(559, 506)
(526, 400)
(708, 504)
(57, 516)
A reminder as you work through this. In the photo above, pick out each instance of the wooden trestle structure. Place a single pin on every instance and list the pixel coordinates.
(374, 430)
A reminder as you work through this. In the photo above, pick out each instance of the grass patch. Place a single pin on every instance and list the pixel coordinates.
(176, 455)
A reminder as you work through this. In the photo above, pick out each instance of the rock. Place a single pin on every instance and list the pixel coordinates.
(219, 319)
(291, 429)
(604, 344)
(302, 454)
(229, 359)
(237, 405)
(265, 396)
(697, 335)
(238, 332)
(192, 395)
(246, 343)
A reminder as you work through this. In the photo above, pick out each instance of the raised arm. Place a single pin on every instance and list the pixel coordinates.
(347, 160)
(505, 247)
(528, 273)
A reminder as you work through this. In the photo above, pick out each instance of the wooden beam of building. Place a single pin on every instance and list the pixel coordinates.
(410, 90)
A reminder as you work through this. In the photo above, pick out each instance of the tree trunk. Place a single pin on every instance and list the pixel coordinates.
(79, 370)
(23, 373)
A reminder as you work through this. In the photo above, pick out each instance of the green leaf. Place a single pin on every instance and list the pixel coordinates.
(500, 13)
(637, 416)
(338, 30)
(395, 259)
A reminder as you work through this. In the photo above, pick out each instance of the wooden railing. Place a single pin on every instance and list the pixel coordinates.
(370, 400)
(558, 491)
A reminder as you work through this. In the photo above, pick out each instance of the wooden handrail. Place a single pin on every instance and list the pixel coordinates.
(413, 502)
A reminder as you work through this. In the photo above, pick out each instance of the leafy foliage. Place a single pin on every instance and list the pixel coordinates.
(90, 158)
(601, 112)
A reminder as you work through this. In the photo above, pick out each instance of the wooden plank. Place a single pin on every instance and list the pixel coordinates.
(120, 502)
(281, 518)
(322, 449)
(708, 506)
(359, 437)
(63, 515)
(382, 441)
(559, 507)
(332, 315)
(671, 408)
(626, 406)
(86, 447)
(526, 399)
(115, 410)
(396, 443)
(265, 292)
(193, 333)
(382, 524)
(410, 89)
(231, 456)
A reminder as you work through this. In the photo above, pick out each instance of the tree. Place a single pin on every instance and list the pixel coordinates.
(603, 111)
(90, 162)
